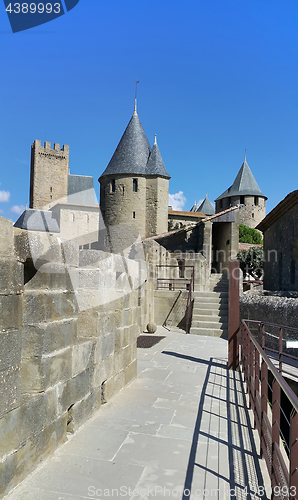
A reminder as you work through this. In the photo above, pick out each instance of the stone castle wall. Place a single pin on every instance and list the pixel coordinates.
(49, 174)
(250, 213)
(124, 206)
(157, 192)
(66, 345)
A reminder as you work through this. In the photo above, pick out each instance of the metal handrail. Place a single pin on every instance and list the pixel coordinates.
(281, 381)
(255, 366)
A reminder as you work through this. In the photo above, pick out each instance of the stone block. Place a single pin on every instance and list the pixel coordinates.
(7, 475)
(45, 338)
(11, 307)
(10, 349)
(48, 306)
(10, 425)
(126, 355)
(11, 277)
(88, 323)
(130, 372)
(10, 389)
(6, 238)
(50, 276)
(98, 375)
(127, 317)
(74, 390)
(118, 362)
(109, 366)
(133, 351)
(118, 340)
(81, 354)
(81, 411)
(107, 346)
(70, 253)
(92, 258)
(40, 373)
(106, 321)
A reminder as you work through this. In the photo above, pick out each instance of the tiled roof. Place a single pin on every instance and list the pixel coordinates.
(244, 184)
(206, 207)
(155, 165)
(132, 152)
(134, 156)
(37, 220)
(80, 190)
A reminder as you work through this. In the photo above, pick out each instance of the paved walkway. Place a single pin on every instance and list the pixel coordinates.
(182, 425)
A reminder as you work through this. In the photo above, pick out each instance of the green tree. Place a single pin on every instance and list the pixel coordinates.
(249, 235)
(252, 262)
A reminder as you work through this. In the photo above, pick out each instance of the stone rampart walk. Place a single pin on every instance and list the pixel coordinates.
(180, 430)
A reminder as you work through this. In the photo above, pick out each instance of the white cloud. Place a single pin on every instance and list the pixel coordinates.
(4, 196)
(177, 200)
(18, 209)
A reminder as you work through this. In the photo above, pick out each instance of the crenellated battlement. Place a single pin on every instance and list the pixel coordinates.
(47, 146)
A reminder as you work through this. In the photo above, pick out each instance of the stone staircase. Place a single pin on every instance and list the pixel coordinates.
(210, 309)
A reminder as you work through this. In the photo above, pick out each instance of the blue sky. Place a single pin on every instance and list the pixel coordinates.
(216, 77)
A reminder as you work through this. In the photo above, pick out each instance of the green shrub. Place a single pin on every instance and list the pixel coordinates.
(249, 235)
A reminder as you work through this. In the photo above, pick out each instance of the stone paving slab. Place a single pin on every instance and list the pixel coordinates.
(180, 430)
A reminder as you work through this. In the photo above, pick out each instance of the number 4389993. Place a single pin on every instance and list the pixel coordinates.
(32, 8)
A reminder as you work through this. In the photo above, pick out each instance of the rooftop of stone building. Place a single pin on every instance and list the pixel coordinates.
(133, 153)
(244, 184)
(181, 427)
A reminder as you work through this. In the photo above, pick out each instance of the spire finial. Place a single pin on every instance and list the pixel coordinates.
(155, 141)
(136, 91)
(206, 195)
(245, 156)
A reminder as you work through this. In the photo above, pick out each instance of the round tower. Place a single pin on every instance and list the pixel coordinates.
(246, 193)
(134, 186)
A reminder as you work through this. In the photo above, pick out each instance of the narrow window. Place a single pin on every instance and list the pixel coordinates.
(51, 189)
(135, 185)
(241, 200)
(256, 200)
(229, 202)
(133, 215)
(253, 216)
(220, 203)
(113, 186)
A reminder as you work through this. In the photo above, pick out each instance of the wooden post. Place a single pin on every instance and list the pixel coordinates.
(294, 457)
(234, 276)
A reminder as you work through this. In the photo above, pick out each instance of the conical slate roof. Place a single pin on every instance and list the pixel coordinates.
(194, 207)
(132, 152)
(206, 207)
(244, 184)
(155, 165)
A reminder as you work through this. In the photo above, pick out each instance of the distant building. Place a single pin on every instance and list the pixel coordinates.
(246, 193)
(280, 229)
(134, 188)
(206, 207)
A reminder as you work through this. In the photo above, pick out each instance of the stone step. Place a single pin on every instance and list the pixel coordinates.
(210, 294)
(214, 306)
(210, 317)
(210, 325)
(210, 332)
(210, 312)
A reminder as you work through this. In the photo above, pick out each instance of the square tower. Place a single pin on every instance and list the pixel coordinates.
(49, 174)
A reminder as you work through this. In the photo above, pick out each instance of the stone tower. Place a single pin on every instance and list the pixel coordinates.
(246, 193)
(134, 187)
(49, 174)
